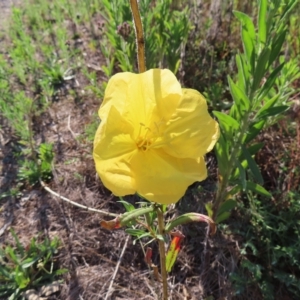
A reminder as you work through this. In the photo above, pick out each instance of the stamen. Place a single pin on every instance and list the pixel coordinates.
(141, 124)
(147, 139)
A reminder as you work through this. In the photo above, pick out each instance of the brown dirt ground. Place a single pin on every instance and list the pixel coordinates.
(89, 252)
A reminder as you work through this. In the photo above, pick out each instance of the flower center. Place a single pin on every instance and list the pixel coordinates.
(149, 137)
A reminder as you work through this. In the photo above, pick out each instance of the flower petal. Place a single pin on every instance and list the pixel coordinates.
(113, 137)
(113, 147)
(191, 131)
(116, 174)
(142, 98)
(164, 179)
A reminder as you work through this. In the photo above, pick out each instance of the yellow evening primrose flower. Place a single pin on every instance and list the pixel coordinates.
(153, 136)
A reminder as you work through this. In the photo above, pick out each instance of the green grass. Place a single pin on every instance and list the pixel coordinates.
(23, 268)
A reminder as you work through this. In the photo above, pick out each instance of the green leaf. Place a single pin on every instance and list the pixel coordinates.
(236, 174)
(227, 123)
(15, 295)
(236, 189)
(270, 103)
(19, 245)
(241, 100)
(29, 262)
(258, 189)
(254, 130)
(132, 215)
(243, 72)
(261, 67)
(235, 113)
(146, 234)
(227, 206)
(252, 165)
(60, 272)
(209, 210)
(253, 149)
(21, 279)
(273, 111)
(248, 37)
(288, 9)
(10, 251)
(242, 82)
(128, 206)
(242, 175)
(150, 217)
(134, 232)
(5, 273)
(160, 237)
(262, 25)
(270, 82)
(276, 46)
(222, 217)
(221, 150)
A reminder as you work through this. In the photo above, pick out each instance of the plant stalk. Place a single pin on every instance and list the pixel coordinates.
(140, 43)
(162, 252)
(221, 192)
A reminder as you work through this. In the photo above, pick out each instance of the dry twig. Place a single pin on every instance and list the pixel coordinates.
(116, 269)
(77, 204)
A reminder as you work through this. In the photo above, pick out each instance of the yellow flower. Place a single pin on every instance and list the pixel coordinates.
(153, 136)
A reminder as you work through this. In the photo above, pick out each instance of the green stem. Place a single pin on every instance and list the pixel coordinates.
(140, 43)
(162, 252)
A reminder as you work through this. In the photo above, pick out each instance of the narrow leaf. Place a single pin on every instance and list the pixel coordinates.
(273, 111)
(236, 173)
(253, 149)
(236, 189)
(269, 103)
(227, 123)
(128, 206)
(276, 46)
(19, 245)
(270, 82)
(252, 165)
(288, 9)
(241, 100)
(262, 25)
(208, 207)
(222, 217)
(248, 37)
(261, 66)
(221, 150)
(227, 206)
(134, 232)
(242, 175)
(191, 217)
(132, 215)
(257, 189)
(29, 262)
(146, 234)
(254, 130)
(235, 113)
(9, 250)
(242, 82)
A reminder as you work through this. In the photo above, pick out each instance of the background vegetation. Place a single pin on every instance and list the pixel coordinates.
(55, 60)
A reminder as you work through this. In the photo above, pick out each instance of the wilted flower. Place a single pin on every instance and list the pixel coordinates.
(153, 136)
